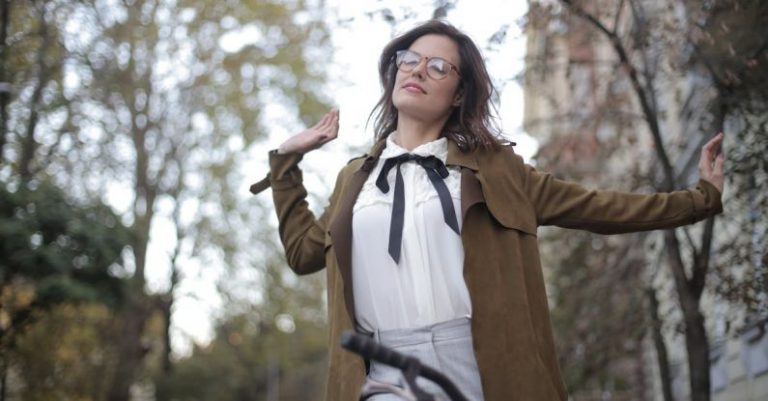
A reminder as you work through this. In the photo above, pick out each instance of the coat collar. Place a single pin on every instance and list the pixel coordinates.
(456, 157)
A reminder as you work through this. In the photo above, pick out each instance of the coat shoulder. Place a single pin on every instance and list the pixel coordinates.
(503, 160)
(502, 177)
(354, 164)
(356, 158)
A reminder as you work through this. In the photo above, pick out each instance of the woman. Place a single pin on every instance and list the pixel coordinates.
(436, 254)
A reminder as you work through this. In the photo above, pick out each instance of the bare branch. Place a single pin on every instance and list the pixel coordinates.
(701, 265)
(672, 246)
(642, 95)
(617, 16)
(29, 144)
(689, 239)
(659, 344)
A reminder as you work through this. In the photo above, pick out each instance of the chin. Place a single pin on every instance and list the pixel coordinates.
(419, 109)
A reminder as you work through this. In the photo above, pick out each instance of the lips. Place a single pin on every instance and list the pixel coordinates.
(414, 86)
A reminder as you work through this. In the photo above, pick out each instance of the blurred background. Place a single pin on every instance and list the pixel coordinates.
(135, 265)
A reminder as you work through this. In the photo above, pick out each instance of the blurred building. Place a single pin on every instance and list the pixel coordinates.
(581, 107)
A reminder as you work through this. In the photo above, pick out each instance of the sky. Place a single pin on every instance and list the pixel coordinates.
(353, 88)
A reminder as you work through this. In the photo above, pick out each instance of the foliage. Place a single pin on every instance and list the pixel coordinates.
(62, 279)
(597, 302)
(67, 354)
(276, 346)
(730, 40)
(251, 360)
(54, 251)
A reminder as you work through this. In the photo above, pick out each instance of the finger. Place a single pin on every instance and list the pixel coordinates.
(718, 175)
(709, 152)
(331, 117)
(324, 122)
(718, 146)
(707, 149)
(328, 119)
(320, 123)
(335, 124)
(719, 162)
(706, 156)
(332, 124)
(705, 166)
(714, 143)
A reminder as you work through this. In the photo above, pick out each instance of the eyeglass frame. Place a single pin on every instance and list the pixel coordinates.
(404, 51)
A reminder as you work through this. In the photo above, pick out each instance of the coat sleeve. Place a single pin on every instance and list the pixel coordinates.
(569, 205)
(302, 234)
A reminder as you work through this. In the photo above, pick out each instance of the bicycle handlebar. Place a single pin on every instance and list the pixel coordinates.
(369, 349)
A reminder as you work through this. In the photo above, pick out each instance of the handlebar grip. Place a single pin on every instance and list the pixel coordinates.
(369, 349)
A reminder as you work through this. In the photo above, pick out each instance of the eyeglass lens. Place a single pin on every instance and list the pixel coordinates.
(437, 67)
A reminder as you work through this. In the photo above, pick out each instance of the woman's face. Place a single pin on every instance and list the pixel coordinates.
(420, 96)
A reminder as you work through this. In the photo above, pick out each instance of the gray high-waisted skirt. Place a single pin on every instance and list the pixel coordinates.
(445, 346)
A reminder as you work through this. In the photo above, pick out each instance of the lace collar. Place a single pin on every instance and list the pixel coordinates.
(437, 148)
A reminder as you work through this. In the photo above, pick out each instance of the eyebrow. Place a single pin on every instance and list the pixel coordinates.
(442, 57)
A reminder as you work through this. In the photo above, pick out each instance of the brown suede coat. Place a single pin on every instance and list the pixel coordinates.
(502, 203)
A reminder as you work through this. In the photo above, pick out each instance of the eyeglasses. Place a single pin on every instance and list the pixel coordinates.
(437, 67)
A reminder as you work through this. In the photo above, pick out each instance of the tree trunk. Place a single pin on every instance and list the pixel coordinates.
(130, 349)
(166, 306)
(29, 144)
(141, 306)
(5, 85)
(660, 346)
(4, 379)
(689, 297)
(697, 345)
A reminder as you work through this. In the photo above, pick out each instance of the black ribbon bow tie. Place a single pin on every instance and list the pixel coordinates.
(437, 172)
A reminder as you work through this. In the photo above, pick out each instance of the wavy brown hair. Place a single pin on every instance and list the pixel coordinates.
(470, 125)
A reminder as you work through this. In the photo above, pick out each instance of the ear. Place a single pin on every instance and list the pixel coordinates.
(458, 98)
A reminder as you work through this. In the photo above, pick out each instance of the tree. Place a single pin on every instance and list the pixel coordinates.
(661, 59)
(55, 254)
(107, 94)
(595, 294)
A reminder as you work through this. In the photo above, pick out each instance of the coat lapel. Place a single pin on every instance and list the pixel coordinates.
(471, 192)
(341, 225)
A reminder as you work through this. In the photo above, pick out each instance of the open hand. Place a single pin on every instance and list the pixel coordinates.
(711, 162)
(314, 137)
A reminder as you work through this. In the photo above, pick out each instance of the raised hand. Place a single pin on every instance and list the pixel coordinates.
(711, 162)
(326, 130)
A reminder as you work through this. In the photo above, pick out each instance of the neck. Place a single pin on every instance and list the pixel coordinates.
(412, 132)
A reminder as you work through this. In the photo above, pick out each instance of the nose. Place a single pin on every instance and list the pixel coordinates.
(420, 70)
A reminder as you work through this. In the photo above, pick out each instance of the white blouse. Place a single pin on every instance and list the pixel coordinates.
(427, 286)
